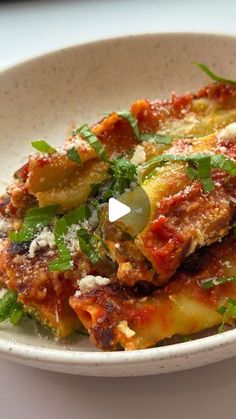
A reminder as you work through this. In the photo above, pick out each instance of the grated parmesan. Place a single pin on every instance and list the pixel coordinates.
(71, 239)
(228, 133)
(91, 282)
(139, 155)
(44, 239)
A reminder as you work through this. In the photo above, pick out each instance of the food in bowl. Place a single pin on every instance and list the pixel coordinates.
(130, 284)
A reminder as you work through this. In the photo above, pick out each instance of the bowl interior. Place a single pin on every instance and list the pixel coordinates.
(48, 96)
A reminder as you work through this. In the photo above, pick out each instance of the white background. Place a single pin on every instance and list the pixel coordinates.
(30, 28)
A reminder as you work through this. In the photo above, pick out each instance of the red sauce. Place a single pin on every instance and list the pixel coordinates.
(219, 92)
(181, 104)
(172, 204)
(43, 161)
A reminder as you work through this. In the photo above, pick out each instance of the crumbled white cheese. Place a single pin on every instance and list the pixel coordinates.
(91, 282)
(139, 155)
(125, 329)
(44, 239)
(228, 133)
(117, 245)
(71, 239)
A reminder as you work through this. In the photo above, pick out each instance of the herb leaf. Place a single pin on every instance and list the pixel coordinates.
(212, 282)
(7, 305)
(16, 314)
(228, 310)
(132, 120)
(86, 246)
(91, 138)
(221, 162)
(73, 154)
(35, 218)
(123, 172)
(212, 75)
(64, 262)
(158, 138)
(199, 167)
(43, 146)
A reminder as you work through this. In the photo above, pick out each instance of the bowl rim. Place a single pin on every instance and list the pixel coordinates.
(105, 40)
(92, 358)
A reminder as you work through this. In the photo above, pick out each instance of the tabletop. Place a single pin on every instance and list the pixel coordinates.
(28, 28)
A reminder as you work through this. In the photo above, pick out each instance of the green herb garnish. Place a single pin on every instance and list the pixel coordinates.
(64, 262)
(198, 167)
(17, 315)
(73, 154)
(35, 218)
(212, 75)
(212, 282)
(221, 162)
(228, 310)
(86, 244)
(123, 172)
(10, 308)
(43, 146)
(94, 142)
(158, 138)
(132, 121)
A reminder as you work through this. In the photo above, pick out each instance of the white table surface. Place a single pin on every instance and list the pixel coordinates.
(30, 28)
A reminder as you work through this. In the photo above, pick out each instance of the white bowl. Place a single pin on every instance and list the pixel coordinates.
(44, 97)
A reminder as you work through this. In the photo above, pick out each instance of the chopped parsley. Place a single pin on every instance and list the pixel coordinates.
(212, 75)
(212, 282)
(73, 154)
(35, 218)
(43, 146)
(123, 173)
(10, 308)
(227, 311)
(93, 140)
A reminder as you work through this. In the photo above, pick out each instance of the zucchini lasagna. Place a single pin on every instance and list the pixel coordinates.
(133, 283)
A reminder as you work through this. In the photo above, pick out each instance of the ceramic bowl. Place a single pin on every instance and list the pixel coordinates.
(48, 95)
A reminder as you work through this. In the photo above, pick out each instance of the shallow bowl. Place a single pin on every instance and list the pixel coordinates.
(47, 96)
